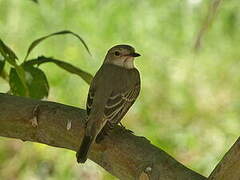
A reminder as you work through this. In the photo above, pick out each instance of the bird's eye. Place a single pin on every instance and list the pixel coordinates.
(117, 53)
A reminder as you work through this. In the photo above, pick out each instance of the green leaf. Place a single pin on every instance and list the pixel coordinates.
(37, 41)
(2, 63)
(36, 1)
(21, 74)
(64, 65)
(7, 53)
(16, 85)
(36, 82)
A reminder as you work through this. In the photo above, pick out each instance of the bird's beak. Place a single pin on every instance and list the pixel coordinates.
(134, 54)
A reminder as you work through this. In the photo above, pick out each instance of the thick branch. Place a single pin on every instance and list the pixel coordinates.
(122, 154)
(229, 166)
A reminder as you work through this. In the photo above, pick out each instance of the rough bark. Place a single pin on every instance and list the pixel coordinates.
(229, 166)
(122, 154)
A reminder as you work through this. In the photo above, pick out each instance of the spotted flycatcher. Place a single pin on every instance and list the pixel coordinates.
(113, 90)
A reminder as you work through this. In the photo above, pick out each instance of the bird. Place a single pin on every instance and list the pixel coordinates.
(113, 90)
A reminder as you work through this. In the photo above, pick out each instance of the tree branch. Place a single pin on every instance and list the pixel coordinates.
(212, 11)
(229, 166)
(122, 154)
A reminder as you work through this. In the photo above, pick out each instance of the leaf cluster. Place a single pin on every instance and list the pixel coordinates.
(26, 78)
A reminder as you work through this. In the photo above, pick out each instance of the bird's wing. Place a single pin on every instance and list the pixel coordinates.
(90, 100)
(119, 103)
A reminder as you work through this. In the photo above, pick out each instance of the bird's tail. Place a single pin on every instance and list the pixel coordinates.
(84, 148)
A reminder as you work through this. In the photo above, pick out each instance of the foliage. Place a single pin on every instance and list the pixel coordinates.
(189, 104)
(30, 81)
(36, 1)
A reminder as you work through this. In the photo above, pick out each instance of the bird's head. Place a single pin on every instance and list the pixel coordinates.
(121, 55)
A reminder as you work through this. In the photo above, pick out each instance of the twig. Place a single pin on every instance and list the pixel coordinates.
(212, 11)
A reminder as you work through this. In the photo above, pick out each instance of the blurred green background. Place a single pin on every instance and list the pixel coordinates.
(189, 104)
